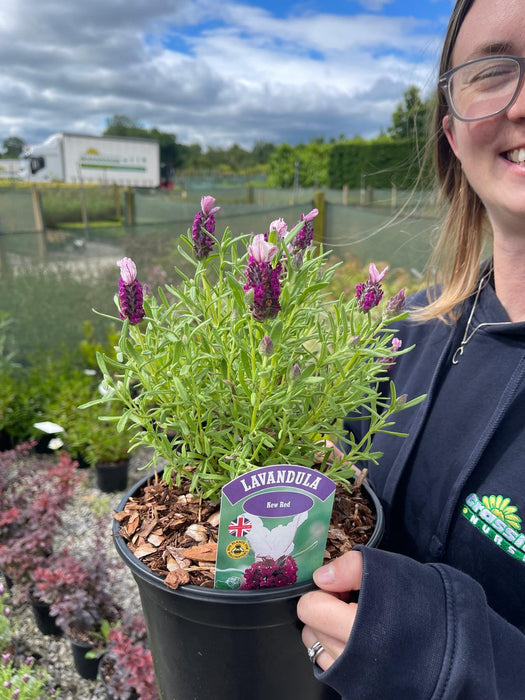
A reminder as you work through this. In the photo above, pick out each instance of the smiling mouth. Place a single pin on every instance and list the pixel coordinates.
(515, 156)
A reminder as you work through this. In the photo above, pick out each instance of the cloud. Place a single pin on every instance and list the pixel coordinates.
(211, 73)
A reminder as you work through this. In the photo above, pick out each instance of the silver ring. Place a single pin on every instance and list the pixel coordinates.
(314, 651)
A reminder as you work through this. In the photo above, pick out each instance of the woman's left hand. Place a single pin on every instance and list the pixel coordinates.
(327, 615)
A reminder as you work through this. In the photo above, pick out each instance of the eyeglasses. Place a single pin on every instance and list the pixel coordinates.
(483, 87)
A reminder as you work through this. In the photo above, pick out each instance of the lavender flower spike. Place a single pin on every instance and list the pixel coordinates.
(369, 293)
(280, 226)
(305, 236)
(395, 305)
(263, 280)
(130, 292)
(203, 228)
(260, 250)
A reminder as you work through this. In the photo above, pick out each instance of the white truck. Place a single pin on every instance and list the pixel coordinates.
(106, 160)
(9, 168)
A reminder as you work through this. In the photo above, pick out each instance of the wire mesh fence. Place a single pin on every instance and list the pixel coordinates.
(65, 223)
(52, 276)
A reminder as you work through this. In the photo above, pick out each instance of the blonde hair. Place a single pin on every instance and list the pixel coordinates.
(454, 263)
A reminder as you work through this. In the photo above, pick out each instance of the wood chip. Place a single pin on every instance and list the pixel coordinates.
(143, 550)
(177, 578)
(200, 552)
(119, 517)
(156, 540)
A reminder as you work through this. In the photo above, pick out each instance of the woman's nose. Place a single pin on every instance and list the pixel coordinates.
(517, 109)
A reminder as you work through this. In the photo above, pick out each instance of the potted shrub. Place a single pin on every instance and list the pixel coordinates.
(78, 590)
(92, 442)
(247, 364)
(126, 668)
(32, 515)
(107, 450)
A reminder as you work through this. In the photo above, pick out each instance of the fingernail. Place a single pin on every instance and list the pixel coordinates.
(325, 574)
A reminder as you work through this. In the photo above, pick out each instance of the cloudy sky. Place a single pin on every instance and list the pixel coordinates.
(214, 72)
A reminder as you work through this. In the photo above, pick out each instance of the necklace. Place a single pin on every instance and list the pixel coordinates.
(467, 335)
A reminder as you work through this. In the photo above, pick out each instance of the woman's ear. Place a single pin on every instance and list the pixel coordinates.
(448, 128)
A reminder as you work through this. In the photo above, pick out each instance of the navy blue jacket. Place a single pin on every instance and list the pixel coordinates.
(441, 610)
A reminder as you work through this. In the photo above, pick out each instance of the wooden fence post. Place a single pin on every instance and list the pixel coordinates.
(129, 208)
(393, 200)
(40, 229)
(4, 267)
(118, 205)
(83, 208)
(320, 219)
(345, 195)
(250, 194)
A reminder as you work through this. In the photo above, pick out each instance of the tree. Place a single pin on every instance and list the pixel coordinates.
(121, 125)
(12, 147)
(409, 121)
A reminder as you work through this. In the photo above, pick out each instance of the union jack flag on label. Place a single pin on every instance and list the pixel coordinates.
(240, 526)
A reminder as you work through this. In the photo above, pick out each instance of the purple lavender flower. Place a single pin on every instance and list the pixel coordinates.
(305, 235)
(263, 280)
(130, 292)
(203, 228)
(391, 361)
(280, 226)
(369, 293)
(266, 346)
(395, 304)
(268, 573)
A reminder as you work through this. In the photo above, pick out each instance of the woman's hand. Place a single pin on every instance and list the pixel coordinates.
(327, 615)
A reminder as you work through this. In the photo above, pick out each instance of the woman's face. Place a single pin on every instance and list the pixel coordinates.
(489, 148)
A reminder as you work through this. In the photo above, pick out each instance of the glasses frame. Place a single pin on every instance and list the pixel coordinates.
(444, 84)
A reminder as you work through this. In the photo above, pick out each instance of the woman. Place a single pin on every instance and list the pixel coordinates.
(440, 612)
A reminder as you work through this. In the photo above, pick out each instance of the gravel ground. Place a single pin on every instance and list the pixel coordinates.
(55, 652)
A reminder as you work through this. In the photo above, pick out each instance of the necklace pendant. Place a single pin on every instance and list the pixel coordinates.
(457, 354)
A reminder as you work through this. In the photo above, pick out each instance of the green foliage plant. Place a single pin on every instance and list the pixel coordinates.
(19, 678)
(249, 362)
(85, 436)
(24, 680)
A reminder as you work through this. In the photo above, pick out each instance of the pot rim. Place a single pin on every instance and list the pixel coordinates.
(250, 596)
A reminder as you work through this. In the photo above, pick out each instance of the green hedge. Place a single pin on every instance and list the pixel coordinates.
(383, 162)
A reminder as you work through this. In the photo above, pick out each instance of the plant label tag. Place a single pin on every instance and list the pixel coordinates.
(273, 527)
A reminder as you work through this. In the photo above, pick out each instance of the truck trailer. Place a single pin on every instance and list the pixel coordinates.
(104, 160)
(9, 168)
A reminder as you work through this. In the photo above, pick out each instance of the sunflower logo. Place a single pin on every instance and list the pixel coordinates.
(503, 509)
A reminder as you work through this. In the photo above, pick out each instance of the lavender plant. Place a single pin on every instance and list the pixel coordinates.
(25, 680)
(249, 362)
(20, 679)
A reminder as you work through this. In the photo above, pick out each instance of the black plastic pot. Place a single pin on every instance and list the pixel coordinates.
(6, 441)
(112, 477)
(219, 644)
(45, 622)
(86, 668)
(81, 462)
(8, 580)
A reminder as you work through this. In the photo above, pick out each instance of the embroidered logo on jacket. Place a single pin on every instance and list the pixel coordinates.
(497, 519)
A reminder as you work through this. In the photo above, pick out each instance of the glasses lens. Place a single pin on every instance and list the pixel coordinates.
(485, 87)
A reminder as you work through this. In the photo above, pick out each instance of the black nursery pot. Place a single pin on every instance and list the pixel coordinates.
(219, 644)
(112, 477)
(86, 668)
(45, 622)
